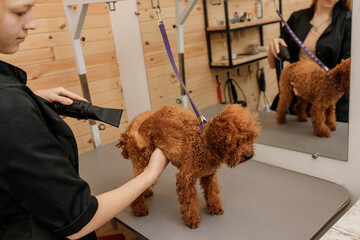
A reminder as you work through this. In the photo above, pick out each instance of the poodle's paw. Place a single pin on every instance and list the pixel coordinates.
(140, 212)
(192, 221)
(140, 207)
(331, 125)
(302, 118)
(322, 132)
(148, 192)
(214, 210)
(280, 119)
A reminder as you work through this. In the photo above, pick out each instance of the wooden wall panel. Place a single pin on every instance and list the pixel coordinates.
(48, 58)
(200, 79)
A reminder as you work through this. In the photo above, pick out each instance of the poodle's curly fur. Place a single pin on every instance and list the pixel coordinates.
(227, 138)
(314, 87)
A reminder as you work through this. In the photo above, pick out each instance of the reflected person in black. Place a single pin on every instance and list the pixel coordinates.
(325, 28)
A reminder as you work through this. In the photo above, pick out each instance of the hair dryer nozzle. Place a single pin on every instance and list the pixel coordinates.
(109, 116)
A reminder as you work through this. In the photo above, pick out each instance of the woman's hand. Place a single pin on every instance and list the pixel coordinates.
(274, 46)
(60, 95)
(157, 164)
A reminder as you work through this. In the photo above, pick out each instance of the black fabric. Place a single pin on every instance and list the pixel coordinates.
(42, 195)
(332, 46)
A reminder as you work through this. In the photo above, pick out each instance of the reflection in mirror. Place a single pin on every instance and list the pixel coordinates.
(324, 27)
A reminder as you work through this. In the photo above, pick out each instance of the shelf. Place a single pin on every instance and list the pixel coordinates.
(227, 28)
(242, 25)
(78, 2)
(241, 59)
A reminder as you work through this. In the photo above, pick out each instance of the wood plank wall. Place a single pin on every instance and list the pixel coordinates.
(200, 79)
(47, 57)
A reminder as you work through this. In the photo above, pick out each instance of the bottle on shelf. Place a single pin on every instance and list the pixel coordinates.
(259, 11)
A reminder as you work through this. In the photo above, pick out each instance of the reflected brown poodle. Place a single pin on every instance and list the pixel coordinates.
(313, 87)
(227, 138)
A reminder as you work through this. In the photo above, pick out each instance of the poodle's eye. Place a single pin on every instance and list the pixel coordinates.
(238, 143)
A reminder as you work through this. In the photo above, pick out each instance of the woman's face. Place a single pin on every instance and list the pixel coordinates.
(327, 3)
(2, 10)
(17, 19)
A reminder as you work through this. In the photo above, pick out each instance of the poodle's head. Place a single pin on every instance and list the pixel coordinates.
(230, 135)
(341, 73)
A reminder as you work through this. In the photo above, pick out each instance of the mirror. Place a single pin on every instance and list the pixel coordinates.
(300, 136)
(294, 135)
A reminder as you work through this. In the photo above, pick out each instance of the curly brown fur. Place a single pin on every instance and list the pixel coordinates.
(314, 87)
(227, 138)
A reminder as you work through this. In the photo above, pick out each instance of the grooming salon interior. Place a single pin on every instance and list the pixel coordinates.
(193, 119)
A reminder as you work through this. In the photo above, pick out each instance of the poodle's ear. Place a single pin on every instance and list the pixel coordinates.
(342, 73)
(222, 133)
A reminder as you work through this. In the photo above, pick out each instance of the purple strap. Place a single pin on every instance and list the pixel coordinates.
(198, 114)
(308, 52)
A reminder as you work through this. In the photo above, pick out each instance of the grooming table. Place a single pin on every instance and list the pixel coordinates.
(260, 201)
(294, 135)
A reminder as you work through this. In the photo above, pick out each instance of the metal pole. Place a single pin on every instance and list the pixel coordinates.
(228, 36)
(180, 50)
(181, 15)
(75, 25)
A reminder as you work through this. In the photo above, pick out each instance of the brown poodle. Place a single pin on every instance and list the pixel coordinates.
(313, 87)
(227, 138)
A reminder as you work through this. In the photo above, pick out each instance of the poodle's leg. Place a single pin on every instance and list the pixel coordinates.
(318, 118)
(300, 109)
(285, 98)
(185, 187)
(212, 194)
(331, 118)
(140, 206)
(148, 192)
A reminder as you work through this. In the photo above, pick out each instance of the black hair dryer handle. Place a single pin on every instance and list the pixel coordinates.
(84, 110)
(284, 53)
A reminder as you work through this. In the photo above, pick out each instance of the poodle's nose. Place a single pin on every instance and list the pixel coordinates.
(248, 156)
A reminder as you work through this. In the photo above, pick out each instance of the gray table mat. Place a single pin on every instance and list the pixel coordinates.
(297, 136)
(260, 201)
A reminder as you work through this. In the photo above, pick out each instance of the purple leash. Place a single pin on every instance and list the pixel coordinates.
(198, 114)
(307, 50)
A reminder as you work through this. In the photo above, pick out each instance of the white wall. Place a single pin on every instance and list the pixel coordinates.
(343, 173)
(130, 58)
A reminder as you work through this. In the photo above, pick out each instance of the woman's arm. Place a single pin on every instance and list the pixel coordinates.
(59, 94)
(113, 202)
(274, 50)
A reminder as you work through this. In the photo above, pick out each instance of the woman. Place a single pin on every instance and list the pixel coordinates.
(42, 195)
(325, 28)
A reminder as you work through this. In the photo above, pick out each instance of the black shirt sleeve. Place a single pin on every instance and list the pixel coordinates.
(284, 32)
(35, 169)
(345, 48)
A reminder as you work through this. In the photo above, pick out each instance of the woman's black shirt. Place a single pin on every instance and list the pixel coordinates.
(42, 196)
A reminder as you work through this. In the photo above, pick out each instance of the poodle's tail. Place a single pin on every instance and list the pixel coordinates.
(123, 143)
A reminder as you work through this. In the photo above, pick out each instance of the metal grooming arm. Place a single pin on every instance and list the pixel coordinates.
(75, 22)
(181, 15)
